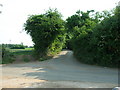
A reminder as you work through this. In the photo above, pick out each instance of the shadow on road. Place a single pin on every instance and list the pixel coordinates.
(65, 67)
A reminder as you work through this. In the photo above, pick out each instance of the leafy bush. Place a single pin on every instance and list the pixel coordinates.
(81, 47)
(47, 32)
(7, 56)
(77, 24)
(102, 46)
(106, 38)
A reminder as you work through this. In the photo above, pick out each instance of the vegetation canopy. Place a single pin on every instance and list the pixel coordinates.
(101, 45)
(94, 37)
(47, 32)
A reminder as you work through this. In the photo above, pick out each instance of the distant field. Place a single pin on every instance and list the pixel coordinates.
(26, 51)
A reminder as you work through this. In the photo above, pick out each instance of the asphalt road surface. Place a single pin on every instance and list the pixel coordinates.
(63, 71)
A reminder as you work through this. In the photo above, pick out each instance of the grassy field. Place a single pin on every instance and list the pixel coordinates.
(19, 55)
(26, 51)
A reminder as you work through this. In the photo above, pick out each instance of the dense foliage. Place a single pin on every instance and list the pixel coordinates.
(47, 32)
(101, 46)
(94, 37)
(78, 24)
(106, 38)
(7, 56)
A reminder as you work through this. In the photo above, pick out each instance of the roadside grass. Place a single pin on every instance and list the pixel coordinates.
(6, 56)
(25, 55)
(26, 51)
(12, 55)
(26, 59)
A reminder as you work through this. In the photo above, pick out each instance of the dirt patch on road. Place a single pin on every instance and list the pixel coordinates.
(18, 82)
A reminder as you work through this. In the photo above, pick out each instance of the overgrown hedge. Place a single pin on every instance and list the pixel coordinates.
(93, 39)
(47, 32)
(102, 47)
(7, 56)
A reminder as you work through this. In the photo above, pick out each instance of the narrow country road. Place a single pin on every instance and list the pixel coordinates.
(63, 71)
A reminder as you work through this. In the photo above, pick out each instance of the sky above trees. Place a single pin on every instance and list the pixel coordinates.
(15, 13)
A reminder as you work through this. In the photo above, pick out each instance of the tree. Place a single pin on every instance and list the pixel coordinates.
(106, 38)
(102, 46)
(79, 23)
(47, 31)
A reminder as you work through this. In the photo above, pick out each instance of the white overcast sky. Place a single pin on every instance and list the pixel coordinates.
(15, 13)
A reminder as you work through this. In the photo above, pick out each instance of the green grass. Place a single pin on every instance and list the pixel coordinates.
(26, 51)
(25, 59)
(8, 57)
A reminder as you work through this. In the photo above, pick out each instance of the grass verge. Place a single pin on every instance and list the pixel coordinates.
(26, 51)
